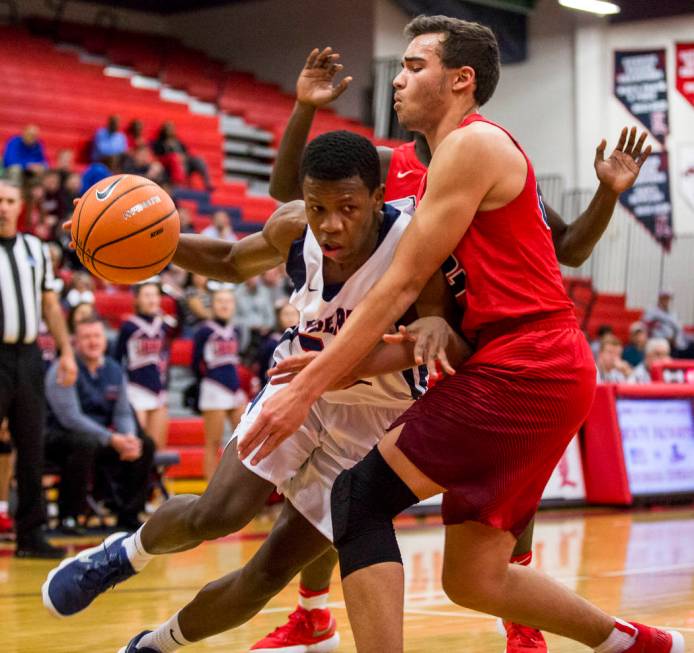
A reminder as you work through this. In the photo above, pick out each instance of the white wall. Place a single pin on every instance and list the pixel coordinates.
(271, 38)
(389, 23)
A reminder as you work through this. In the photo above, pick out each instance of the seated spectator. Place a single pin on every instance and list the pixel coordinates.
(92, 434)
(110, 143)
(65, 164)
(186, 220)
(220, 228)
(179, 163)
(255, 314)
(603, 330)
(287, 317)
(81, 290)
(24, 153)
(657, 350)
(34, 218)
(197, 302)
(140, 161)
(611, 367)
(633, 352)
(80, 313)
(55, 201)
(135, 133)
(663, 322)
(215, 359)
(278, 283)
(94, 173)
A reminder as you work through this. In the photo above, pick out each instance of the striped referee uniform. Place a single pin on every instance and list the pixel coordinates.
(25, 274)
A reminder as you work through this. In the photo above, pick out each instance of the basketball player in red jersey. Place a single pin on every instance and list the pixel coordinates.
(402, 170)
(489, 436)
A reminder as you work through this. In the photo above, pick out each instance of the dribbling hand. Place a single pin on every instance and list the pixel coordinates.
(315, 86)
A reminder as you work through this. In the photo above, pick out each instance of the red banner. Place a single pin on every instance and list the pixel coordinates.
(684, 74)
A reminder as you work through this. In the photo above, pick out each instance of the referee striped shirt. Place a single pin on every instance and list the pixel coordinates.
(25, 273)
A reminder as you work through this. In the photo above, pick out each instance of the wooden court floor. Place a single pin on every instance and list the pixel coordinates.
(637, 565)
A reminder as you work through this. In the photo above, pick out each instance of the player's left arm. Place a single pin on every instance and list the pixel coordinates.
(574, 242)
(464, 169)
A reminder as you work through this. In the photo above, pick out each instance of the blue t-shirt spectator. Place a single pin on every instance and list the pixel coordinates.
(109, 141)
(24, 150)
(95, 172)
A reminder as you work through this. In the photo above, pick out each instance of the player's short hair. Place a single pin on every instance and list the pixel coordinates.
(464, 44)
(340, 155)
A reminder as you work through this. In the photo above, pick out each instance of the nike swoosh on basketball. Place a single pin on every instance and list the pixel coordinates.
(400, 175)
(103, 195)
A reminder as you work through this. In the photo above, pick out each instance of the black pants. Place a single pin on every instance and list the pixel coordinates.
(83, 462)
(22, 402)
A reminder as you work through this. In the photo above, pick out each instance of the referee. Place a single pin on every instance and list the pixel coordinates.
(26, 281)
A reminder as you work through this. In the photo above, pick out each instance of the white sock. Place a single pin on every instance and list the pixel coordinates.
(165, 639)
(312, 600)
(621, 638)
(4, 506)
(136, 552)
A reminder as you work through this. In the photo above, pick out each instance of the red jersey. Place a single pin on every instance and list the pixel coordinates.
(505, 267)
(405, 174)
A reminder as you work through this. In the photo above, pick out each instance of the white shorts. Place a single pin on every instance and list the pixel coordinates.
(215, 396)
(333, 438)
(141, 398)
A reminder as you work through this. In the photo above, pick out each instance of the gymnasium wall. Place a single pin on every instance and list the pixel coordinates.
(271, 38)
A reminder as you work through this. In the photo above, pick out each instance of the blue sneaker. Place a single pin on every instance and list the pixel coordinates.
(77, 581)
(132, 645)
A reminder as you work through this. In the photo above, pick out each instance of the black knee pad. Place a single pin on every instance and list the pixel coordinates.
(364, 501)
(5, 447)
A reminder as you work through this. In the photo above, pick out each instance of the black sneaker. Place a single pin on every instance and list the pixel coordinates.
(35, 545)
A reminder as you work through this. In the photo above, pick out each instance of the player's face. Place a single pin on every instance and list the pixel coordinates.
(10, 207)
(343, 216)
(223, 305)
(422, 86)
(90, 341)
(148, 300)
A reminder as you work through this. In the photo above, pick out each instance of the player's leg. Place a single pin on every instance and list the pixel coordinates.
(214, 429)
(235, 598)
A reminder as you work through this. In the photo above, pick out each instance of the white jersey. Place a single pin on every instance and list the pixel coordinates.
(323, 309)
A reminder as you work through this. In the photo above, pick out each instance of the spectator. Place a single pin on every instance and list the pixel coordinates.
(215, 358)
(36, 220)
(94, 173)
(633, 352)
(81, 290)
(140, 161)
(220, 228)
(657, 350)
(65, 164)
(255, 313)
(611, 367)
(179, 163)
(80, 313)
(56, 203)
(21, 367)
(197, 302)
(6, 464)
(277, 282)
(663, 322)
(603, 330)
(186, 220)
(24, 153)
(110, 143)
(287, 317)
(135, 133)
(92, 434)
(143, 344)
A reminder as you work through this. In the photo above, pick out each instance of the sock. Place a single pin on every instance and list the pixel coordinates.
(4, 507)
(165, 639)
(312, 599)
(136, 552)
(524, 559)
(621, 638)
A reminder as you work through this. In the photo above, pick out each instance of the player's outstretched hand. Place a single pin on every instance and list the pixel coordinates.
(315, 85)
(433, 338)
(621, 169)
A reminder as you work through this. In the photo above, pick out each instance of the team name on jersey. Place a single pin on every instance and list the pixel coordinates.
(331, 324)
(148, 346)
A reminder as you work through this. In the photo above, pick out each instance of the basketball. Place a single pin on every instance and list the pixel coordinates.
(125, 229)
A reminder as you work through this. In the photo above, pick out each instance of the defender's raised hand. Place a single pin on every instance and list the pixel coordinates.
(620, 170)
(316, 84)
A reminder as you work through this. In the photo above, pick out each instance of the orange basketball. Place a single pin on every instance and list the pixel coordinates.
(125, 229)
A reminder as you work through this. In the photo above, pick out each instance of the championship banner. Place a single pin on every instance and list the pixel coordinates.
(685, 172)
(640, 84)
(685, 70)
(649, 199)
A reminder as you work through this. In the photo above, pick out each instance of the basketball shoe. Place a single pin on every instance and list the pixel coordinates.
(653, 640)
(521, 639)
(132, 645)
(77, 581)
(306, 631)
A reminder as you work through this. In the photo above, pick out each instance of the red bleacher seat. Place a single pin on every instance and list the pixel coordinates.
(181, 352)
(186, 432)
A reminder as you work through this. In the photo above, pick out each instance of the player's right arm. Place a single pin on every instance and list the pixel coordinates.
(248, 257)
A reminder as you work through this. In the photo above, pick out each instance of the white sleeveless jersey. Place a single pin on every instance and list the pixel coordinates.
(323, 310)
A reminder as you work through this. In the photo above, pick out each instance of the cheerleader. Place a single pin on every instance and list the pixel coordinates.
(215, 357)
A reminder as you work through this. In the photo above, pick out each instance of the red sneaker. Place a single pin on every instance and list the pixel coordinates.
(652, 640)
(6, 524)
(306, 631)
(521, 639)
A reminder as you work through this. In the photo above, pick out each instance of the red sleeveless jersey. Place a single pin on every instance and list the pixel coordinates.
(405, 173)
(505, 267)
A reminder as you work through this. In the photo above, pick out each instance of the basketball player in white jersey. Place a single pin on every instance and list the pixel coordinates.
(335, 249)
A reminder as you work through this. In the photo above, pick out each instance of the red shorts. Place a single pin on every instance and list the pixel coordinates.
(493, 433)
